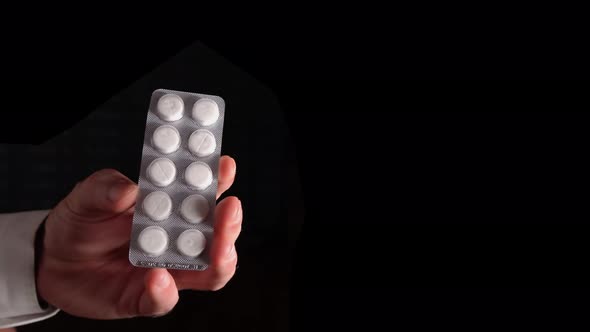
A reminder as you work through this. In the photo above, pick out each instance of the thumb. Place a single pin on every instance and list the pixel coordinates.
(101, 195)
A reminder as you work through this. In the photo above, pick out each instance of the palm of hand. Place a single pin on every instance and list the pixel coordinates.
(84, 268)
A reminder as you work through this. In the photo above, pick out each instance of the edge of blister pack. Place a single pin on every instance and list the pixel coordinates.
(175, 224)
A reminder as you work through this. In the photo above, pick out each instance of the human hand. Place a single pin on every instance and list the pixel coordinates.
(84, 267)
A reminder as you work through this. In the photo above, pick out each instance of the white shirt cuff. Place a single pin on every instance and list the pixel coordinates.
(19, 304)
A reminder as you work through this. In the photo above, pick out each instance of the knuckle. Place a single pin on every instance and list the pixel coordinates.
(216, 283)
(157, 308)
(163, 312)
(68, 210)
(215, 286)
(220, 278)
(94, 179)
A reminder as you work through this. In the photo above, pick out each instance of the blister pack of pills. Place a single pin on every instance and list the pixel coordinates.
(173, 218)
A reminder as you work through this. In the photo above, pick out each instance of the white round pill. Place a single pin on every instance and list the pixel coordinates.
(166, 139)
(198, 175)
(194, 208)
(205, 112)
(157, 205)
(161, 172)
(202, 143)
(191, 243)
(170, 107)
(153, 240)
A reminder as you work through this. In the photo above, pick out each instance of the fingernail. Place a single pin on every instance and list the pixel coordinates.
(238, 210)
(234, 165)
(231, 252)
(117, 190)
(163, 281)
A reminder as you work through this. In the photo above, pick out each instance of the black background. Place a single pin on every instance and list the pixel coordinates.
(428, 204)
